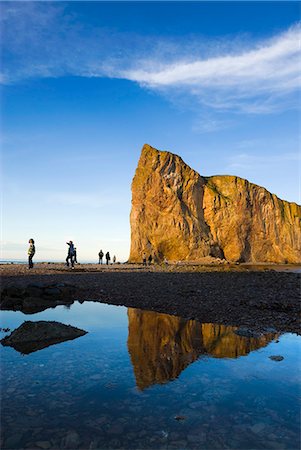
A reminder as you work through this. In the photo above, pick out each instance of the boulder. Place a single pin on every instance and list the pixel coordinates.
(33, 336)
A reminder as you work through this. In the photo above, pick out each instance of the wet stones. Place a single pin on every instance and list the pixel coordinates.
(71, 440)
(246, 332)
(36, 297)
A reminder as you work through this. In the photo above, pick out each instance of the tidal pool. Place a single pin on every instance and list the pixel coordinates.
(140, 379)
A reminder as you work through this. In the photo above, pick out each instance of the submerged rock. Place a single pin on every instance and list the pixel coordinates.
(33, 336)
(276, 357)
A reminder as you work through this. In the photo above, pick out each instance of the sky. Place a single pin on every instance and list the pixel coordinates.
(84, 85)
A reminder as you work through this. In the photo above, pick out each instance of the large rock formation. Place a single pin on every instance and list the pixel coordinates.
(179, 215)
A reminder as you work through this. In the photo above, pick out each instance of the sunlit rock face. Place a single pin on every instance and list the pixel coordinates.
(162, 346)
(179, 215)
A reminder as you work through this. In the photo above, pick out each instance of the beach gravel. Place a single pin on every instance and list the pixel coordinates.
(251, 298)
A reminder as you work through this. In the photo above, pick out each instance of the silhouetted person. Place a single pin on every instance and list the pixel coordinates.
(108, 257)
(150, 258)
(114, 259)
(75, 255)
(100, 255)
(70, 254)
(144, 259)
(31, 252)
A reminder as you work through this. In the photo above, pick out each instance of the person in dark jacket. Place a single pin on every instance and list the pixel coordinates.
(75, 255)
(31, 252)
(108, 257)
(100, 256)
(70, 254)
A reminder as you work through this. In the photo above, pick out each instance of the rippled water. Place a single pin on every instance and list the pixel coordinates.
(141, 379)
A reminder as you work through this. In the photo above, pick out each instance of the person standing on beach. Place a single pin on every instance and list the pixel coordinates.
(108, 258)
(150, 258)
(75, 255)
(31, 252)
(100, 255)
(144, 259)
(114, 259)
(70, 254)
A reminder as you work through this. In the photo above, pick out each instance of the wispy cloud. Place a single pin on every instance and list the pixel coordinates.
(257, 80)
(251, 161)
(236, 74)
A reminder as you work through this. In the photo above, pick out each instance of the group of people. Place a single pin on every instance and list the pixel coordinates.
(71, 256)
(108, 257)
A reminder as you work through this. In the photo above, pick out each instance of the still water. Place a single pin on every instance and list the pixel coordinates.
(141, 379)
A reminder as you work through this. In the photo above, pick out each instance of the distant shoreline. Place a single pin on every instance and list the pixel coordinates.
(181, 266)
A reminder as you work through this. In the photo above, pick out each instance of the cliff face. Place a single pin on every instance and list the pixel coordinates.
(179, 215)
(162, 346)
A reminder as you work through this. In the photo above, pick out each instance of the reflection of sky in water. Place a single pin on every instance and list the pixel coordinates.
(90, 315)
(88, 387)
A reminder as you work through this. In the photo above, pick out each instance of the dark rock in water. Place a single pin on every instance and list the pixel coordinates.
(33, 336)
(36, 297)
(246, 332)
(276, 358)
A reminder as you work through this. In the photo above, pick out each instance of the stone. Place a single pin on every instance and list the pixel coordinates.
(33, 336)
(180, 215)
(36, 285)
(71, 440)
(11, 303)
(13, 441)
(52, 291)
(258, 427)
(43, 444)
(195, 438)
(246, 332)
(276, 357)
(33, 291)
(116, 429)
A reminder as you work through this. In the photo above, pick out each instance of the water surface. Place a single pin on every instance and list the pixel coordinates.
(141, 379)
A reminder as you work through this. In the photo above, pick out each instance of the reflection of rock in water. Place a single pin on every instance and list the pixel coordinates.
(33, 336)
(161, 346)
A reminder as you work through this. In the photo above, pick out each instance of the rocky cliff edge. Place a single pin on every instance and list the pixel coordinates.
(180, 215)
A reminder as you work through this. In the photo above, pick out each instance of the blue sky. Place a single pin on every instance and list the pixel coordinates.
(86, 84)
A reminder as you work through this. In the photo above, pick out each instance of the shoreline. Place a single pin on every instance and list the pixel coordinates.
(229, 295)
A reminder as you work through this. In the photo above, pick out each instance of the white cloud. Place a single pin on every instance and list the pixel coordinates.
(229, 73)
(258, 80)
